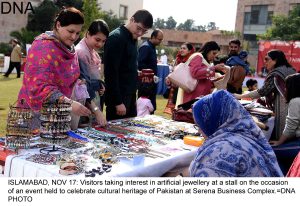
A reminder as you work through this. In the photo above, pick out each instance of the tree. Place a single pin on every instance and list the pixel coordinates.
(67, 3)
(24, 36)
(201, 28)
(188, 25)
(159, 23)
(284, 27)
(170, 23)
(42, 18)
(91, 11)
(111, 19)
(211, 26)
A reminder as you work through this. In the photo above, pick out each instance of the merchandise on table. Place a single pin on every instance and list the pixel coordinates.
(97, 151)
(18, 130)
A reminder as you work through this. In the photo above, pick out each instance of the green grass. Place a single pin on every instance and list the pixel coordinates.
(9, 89)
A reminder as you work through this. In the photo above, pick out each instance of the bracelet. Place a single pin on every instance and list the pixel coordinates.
(95, 109)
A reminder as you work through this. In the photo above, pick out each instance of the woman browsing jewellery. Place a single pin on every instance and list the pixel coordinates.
(52, 69)
(90, 64)
(278, 67)
(202, 69)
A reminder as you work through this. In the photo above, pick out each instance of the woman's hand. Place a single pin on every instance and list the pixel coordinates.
(238, 96)
(168, 82)
(79, 109)
(121, 109)
(275, 143)
(100, 118)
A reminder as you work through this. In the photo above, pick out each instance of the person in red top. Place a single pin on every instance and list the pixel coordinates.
(202, 69)
(186, 50)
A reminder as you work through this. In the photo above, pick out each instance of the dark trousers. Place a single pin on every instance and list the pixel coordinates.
(11, 67)
(130, 103)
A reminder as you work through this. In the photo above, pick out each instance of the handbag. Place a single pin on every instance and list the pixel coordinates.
(182, 115)
(181, 76)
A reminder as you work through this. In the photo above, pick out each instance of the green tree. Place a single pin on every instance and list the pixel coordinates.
(170, 23)
(188, 25)
(5, 48)
(111, 19)
(211, 26)
(159, 23)
(67, 3)
(284, 27)
(91, 11)
(24, 36)
(201, 28)
(42, 18)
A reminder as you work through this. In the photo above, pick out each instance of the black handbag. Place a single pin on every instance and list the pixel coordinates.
(182, 115)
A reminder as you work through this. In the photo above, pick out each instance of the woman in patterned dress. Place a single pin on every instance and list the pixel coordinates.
(52, 69)
(234, 145)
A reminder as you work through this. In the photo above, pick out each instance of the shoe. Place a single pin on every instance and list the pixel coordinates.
(5, 75)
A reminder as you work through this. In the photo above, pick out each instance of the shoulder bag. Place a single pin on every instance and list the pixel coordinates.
(181, 76)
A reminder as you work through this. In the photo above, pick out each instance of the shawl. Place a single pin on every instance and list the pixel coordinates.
(50, 72)
(183, 59)
(235, 146)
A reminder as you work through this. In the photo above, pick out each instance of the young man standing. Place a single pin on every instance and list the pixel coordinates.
(147, 59)
(120, 66)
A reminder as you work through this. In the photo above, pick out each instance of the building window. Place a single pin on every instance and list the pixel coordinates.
(247, 18)
(259, 14)
(269, 19)
(123, 12)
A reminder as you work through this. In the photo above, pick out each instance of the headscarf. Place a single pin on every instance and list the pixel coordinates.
(51, 71)
(183, 59)
(235, 146)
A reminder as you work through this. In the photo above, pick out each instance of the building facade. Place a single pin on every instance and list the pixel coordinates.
(122, 8)
(14, 16)
(254, 17)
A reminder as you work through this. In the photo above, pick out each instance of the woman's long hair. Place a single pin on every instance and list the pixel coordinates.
(292, 86)
(279, 57)
(207, 47)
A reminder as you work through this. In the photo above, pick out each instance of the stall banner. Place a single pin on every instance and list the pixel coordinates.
(291, 50)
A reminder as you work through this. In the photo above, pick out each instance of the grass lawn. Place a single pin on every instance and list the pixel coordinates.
(9, 89)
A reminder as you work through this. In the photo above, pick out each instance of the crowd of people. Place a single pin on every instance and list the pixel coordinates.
(57, 70)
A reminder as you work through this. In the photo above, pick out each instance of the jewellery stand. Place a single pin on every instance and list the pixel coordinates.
(55, 123)
(19, 127)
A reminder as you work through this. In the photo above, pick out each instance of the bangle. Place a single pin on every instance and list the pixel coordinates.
(95, 109)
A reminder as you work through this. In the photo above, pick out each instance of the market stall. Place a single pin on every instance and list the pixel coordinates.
(137, 147)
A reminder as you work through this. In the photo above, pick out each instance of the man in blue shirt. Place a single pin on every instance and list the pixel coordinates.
(120, 66)
(147, 59)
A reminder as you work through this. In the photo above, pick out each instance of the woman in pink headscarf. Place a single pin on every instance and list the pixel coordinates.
(52, 69)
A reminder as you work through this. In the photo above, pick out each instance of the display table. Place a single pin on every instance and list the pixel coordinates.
(17, 166)
(162, 72)
(177, 155)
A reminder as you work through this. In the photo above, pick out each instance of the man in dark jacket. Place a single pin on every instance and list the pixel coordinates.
(120, 66)
(147, 59)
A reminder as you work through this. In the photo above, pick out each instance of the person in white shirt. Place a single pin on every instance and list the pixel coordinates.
(163, 57)
(143, 104)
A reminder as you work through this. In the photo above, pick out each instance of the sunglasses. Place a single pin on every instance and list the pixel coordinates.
(267, 59)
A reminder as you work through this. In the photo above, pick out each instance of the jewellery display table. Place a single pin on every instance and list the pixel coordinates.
(179, 155)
